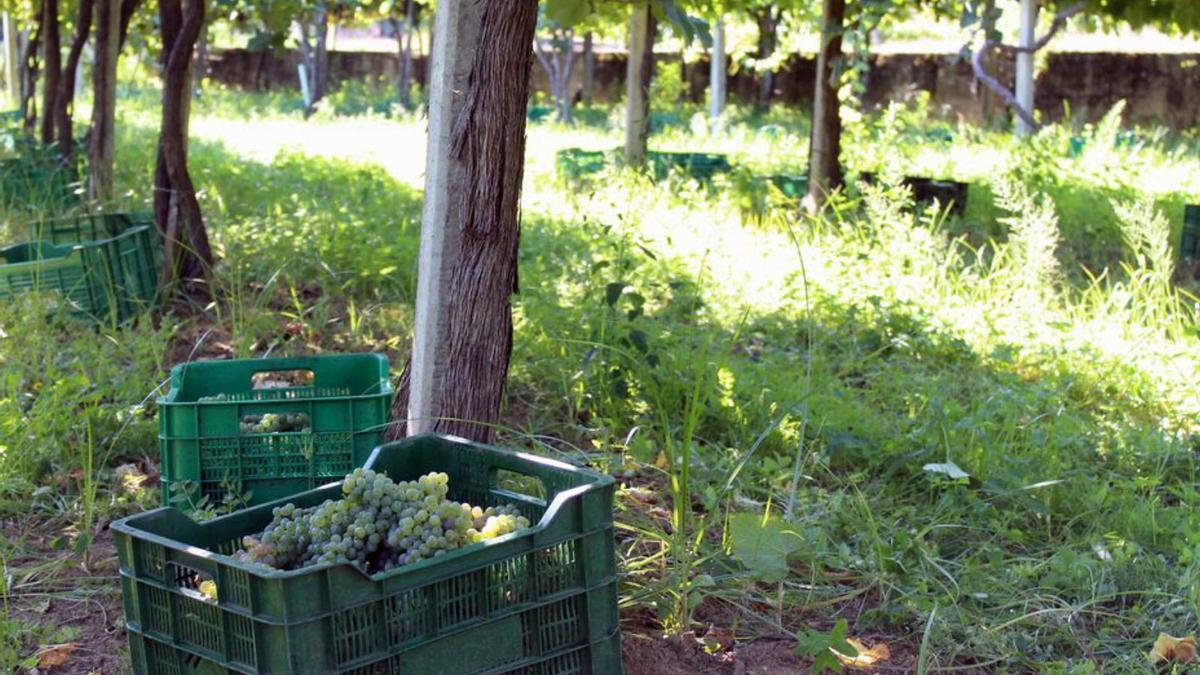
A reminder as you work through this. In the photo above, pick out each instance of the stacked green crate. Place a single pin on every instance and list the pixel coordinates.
(539, 600)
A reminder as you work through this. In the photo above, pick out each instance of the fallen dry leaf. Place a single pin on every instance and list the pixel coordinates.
(866, 657)
(52, 656)
(1180, 650)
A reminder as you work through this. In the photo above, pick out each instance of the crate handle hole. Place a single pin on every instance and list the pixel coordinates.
(281, 379)
(519, 483)
(197, 584)
(275, 423)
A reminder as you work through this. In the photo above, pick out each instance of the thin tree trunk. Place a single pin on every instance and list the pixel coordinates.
(638, 75)
(406, 62)
(470, 228)
(187, 256)
(589, 68)
(51, 68)
(102, 135)
(985, 94)
(768, 38)
(718, 73)
(309, 58)
(29, 76)
(64, 103)
(128, 9)
(11, 59)
(824, 166)
(200, 67)
(559, 64)
(321, 54)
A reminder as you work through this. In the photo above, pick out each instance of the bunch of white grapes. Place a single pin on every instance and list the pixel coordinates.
(379, 524)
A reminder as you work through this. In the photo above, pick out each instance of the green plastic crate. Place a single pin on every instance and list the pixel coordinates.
(575, 164)
(541, 600)
(102, 281)
(89, 227)
(39, 181)
(347, 404)
(1189, 244)
(697, 165)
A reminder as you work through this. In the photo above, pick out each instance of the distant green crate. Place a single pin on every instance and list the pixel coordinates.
(541, 600)
(575, 164)
(1189, 245)
(697, 165)
(792, 186)
(104, 281)
(39, 181)
(538, 113)
(201, 422)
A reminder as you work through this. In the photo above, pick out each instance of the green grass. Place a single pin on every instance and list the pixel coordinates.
(980, 430)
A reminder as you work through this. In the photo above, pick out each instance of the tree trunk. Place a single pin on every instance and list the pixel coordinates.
(985, 94)
(638, 75)
(824, 167)
(406, 55)
(128, 9)
(470, 226)
(200, 67)
(320, 78)
(559, 64)
(64, 103)
(719, 70)
(768, 38)
(11, 58)
(29, 76)
(102, 135)
(51, 67)
(1024, 88)
(589, 68)
(187, 256)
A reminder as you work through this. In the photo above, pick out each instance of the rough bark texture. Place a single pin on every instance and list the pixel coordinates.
(187, 256)
(51, 67)
(489, 141)
(64, 104)
(768, 40)
(642, 29)
(102, 135)
(479, 84)
(824, 165)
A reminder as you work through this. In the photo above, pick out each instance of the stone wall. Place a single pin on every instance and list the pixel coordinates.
(1159, 88)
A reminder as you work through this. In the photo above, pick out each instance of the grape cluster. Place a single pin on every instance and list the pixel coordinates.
(271, 423)
(379, 524)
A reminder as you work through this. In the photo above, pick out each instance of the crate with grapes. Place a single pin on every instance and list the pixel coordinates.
(440, 555)
(238, 433)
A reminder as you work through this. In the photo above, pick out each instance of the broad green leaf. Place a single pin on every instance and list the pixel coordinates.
(763, 545)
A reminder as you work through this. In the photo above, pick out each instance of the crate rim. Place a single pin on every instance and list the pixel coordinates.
(128, 527)
(171, 398)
